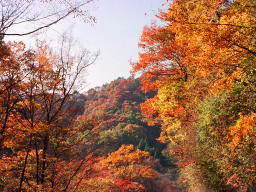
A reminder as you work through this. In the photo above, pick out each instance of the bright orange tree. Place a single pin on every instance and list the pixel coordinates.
(126, 169)
(34, 136)
(202, 50)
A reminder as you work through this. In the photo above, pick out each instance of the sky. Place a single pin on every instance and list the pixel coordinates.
(116, 33)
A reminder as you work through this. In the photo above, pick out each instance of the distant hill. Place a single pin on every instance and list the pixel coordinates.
(111, 117)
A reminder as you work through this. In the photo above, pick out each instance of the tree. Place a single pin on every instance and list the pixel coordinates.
(35, 131)
(40, 14)
(127, 168)
(14, 69)
(201, 60)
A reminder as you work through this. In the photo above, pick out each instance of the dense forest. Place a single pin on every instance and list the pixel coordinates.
(185, 121)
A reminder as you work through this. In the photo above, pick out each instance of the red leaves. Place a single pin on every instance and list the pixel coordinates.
(160, 57)
(124, 184)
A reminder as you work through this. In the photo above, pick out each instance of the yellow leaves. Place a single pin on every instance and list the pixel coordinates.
(166, 102)
(244, 127)
(29, 104)
(170, 107)
(99, 184)
(225, 82)
(173, 126)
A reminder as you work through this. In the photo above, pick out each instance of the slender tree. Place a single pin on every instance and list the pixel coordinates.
(40, 14)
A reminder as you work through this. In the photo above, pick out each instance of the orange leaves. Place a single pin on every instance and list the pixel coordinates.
(35, 127)
(127, 168)
(244, 127)
(127, 162)
(160, 56)
(204, 49)
(199, 39)
(45, 58)
(225, 82)
(216, 33)
(124, 156)
(125, 184)
(149, 112)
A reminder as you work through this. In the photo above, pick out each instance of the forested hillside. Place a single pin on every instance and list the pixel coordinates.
(96, 141)
(112, 115)
(112, 127)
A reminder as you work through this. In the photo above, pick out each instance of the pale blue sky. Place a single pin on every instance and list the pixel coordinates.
(116, 34)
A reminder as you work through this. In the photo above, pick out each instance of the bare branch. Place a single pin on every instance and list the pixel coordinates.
(15, 12)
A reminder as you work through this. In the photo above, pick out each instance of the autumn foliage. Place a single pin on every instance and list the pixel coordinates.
(194, 104)
(35, 86)
(201, 60)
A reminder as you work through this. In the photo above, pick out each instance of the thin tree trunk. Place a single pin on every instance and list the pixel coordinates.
(37, 164)
(45, 142)
(24, 167)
